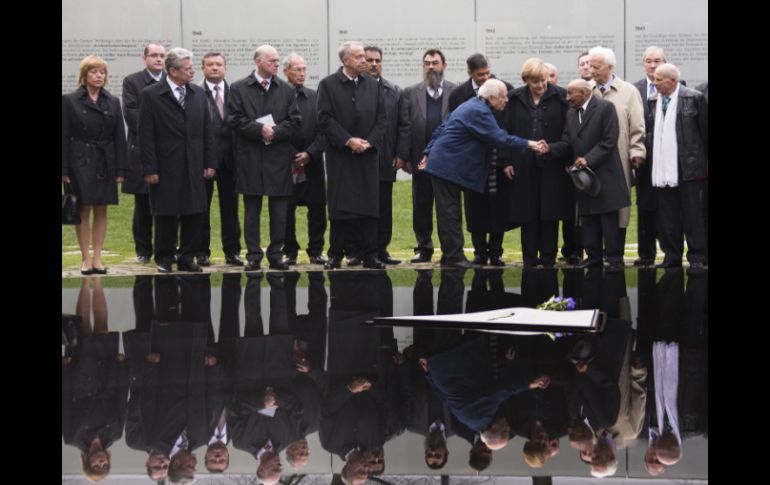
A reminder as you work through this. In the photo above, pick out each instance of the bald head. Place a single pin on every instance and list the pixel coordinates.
(578, 92)
(666, 79)
(267, 61)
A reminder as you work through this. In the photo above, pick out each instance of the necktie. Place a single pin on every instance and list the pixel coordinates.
(602, 89)
(265, 84)
(355, 82)
(650, 89)
(268, 446)
(180, 97)
(666, 100)
(436, 94)
(580, 115)
(184, 441)
(218, 101)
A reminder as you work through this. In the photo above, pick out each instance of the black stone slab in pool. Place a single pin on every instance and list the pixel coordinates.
(260, 370)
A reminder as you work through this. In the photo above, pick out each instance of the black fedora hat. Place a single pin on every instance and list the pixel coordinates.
(585, 179)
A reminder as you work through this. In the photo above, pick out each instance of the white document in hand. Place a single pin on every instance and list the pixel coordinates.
(266, 120)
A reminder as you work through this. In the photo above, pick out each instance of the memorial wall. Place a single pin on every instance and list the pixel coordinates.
(506, 31)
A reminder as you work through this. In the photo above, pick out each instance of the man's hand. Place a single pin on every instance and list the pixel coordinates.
(153, 358)
(357, 145)
(398, 163)
(508, 171)
(359, 384)
(540, 382)
(637, 161)
(208, 173)
(152, 179)
(300, 159)
(407, 167)
(267, 132)
(423, 163)
(581, 162)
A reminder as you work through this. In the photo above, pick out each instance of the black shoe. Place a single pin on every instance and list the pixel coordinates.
(573, 260)
(333, 263)
(669, 265)
(191, 267)
(143, 259)
(290, 260)
(354, 261)
(465, 264)
(204, 261)
(421, 257)
(373, 263)
(165, 268)
(644, 262)
(496, 261)
(387, 259)
(279, 265)
(480, 260)
(317, 260)
(589, 264)
(252, 266)
(233, 260)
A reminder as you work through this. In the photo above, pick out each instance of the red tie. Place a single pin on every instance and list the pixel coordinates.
(265, 84)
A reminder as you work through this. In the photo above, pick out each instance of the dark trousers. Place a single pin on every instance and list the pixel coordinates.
(385, 221)
(166, 229)
(354, 237)
(487, 248)
(277, 207)
(540, 242)
(598, 227)
(228, 215)
(422, 211)
(449, 218)
(141, 226)
(572, 245)
(645, 233)
(316, 227)
(680, 215)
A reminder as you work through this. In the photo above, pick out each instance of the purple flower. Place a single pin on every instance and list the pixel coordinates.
(571, 303)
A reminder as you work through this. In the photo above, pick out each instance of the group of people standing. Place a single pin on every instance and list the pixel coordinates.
(508, 150)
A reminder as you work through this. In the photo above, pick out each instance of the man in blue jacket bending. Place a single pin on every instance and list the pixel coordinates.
(456, 159)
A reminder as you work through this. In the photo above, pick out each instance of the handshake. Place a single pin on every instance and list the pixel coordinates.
(540, 147)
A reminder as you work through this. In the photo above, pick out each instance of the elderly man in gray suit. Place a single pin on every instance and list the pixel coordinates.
(428, 105)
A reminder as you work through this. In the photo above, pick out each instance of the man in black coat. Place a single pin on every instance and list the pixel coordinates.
(393, 153)
(214, 68)
(134, 183)
(351, 114)
(178, 155)
(591, 136)
(264, 116)
(485, 213)
(308, 172)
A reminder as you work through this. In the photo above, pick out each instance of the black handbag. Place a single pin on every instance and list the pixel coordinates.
(70, 206)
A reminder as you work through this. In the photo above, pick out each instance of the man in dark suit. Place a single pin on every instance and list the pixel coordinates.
(214, 68)
(393, 152)
(486, 212)
(264, 116)
(133, 84)
(178, 155)
(652, 57)
(308, 172)
(456, 157)
(677, 133)
(351, 114)
(427, 106)
(591, 137)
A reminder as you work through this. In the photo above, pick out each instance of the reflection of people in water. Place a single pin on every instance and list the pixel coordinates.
(94, 385)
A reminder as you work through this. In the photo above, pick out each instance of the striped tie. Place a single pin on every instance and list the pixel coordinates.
(180, 97)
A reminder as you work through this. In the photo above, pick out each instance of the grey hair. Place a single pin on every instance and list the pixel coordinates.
(290, 57)
(606, 53)
(346, 47)
(491, 87)
(580, 84)
(651, 49)
(175, 56)
(669, 70)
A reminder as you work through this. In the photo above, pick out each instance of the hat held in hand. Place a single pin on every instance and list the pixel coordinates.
(585, 179)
